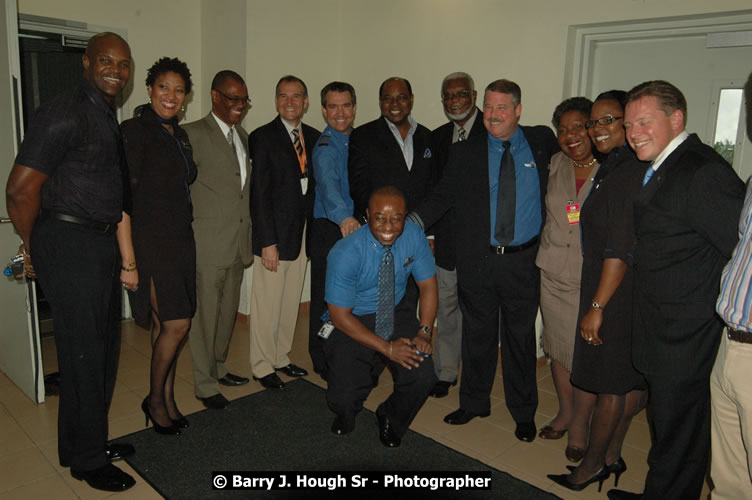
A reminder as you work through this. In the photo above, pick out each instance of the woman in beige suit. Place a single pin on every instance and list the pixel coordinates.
(560, 261)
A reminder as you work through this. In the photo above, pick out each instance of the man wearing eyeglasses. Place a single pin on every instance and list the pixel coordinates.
(222, 229)
(458, 96)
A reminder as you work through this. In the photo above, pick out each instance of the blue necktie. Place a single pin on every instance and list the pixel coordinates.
(648, 174)
(385, 309)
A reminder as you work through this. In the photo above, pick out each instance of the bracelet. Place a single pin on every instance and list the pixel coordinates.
(128, 269)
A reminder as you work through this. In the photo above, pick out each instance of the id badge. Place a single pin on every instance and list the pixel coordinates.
(326, 330)
(573, 213)
(304, 184)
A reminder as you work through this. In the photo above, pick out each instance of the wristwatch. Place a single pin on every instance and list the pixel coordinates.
(428, 330)
(596, 305)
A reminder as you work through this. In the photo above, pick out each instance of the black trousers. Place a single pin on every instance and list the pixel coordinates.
(78, 269)
(324, 234)
(354, 370)
(507, 284)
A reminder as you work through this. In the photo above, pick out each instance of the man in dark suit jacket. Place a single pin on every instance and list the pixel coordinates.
(458, 96)
(495, 275)
(222, 229)
(685, 220)
(282, 194)
(392, 150)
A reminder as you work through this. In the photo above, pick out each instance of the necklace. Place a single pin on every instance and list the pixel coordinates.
(588, 164)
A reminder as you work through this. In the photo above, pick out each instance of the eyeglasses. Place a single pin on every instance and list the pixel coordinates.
(462, 94)
(389, 99)
(235, 100)
(606, 120)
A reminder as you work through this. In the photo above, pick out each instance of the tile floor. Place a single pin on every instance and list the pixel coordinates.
(28, 433)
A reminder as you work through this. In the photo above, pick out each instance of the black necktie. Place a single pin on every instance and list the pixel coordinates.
(385, 306)
(506, 198)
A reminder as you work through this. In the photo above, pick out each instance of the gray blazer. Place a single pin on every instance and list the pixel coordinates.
(221, 210)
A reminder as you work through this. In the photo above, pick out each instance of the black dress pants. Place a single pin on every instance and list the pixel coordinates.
(354, 370)
(508, 284)
(79, 271)
(324, 234)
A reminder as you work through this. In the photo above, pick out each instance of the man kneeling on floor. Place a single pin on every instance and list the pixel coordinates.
(366, 277)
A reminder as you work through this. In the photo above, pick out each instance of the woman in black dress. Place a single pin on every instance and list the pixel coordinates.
(161, 167)
(603, 349)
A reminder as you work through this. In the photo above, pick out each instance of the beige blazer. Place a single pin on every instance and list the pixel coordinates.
(221, 209)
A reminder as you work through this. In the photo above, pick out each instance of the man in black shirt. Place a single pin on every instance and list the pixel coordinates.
(71, 166)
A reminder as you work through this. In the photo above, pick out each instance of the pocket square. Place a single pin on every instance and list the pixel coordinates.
(427, 153)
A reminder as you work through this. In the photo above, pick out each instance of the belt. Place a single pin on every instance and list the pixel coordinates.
(518, 248)
(739, 336)
(102, 227)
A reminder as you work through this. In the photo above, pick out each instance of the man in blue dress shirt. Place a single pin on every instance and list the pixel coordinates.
(333, 208)
(357, 351)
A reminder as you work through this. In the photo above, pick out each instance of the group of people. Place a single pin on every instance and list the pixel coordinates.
(617, 227)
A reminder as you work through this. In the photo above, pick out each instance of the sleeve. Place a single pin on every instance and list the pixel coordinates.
(359, 166)
(342, 269)
(715, 198)
(620, 237)
(262, 202)
(424, 267)
(49, 137)
(134, 146)
(327, 173)
(442, 197)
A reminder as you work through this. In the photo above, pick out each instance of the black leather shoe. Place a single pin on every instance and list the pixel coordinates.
(525, 431)
(441, 389)
(386, 431)
(231, 380)
(271, 381)
(216, 402)
(340, 428)
(623, 495)
(292, 370)
(118, 451)
(106, 478)
(461, 417)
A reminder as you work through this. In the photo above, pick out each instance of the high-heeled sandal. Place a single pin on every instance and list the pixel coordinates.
(563, 480)
(159, 429)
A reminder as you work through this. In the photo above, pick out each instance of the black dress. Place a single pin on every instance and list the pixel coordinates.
(161, 168)
(607, 225)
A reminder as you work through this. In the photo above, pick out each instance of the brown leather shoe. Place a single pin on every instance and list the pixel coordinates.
(548, 432)
(574, 454)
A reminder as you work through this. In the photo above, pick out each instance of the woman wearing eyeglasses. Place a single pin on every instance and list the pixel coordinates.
(161, 167)
(602, 362)
(560, 261)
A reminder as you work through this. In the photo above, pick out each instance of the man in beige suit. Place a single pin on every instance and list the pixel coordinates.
(222, 228)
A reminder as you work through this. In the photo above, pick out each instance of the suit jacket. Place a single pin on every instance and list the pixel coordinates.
(376, 160)
(686, 225)
(443, 230)
(279, 208)
(221, 213)
(465, 187)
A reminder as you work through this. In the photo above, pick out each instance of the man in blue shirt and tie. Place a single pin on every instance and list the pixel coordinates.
(366, 277)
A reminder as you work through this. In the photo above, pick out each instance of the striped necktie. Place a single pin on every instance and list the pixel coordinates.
(385, 305)
(299, 150)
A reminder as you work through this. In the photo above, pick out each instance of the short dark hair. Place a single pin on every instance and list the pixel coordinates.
(620, 96)
(407, 84)
(167, 65)
(291, 79)
(224, 75)
(668, 96)
(388, 190)
(505, 86)
(748, 105)
(337, 87)
(581, 104)
(95, 39)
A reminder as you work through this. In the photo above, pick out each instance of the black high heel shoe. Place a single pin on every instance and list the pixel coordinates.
(181, 423)
(563, 480)
(169, 430)
(617, 469)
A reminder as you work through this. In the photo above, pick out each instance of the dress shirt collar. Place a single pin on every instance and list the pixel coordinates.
(516, 139)
(675, 142)
(467, 126)
(223, 126)
(96, 97)
(396, 132)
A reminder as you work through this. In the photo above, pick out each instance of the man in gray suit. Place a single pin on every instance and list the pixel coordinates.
(222, 228)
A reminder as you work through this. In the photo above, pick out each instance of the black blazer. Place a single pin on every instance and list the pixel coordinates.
(375, 160)
(465, 186)
(686, 225)
(279, 210)
(443, 230)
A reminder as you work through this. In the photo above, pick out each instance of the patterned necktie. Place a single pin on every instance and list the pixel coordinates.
(299, 150)
(461, 135)
(231, 141)
(506, 198)
(648, 174)
(385, 310)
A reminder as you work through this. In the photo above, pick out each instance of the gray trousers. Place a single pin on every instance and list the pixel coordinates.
(447, 349)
